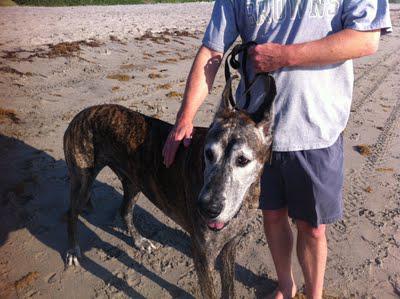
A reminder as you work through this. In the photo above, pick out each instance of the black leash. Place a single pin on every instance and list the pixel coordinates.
(270, 86)
(234, 62)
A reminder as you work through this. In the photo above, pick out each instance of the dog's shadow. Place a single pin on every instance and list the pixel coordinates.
(35, 190)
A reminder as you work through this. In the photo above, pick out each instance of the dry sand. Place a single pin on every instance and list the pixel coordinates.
(35, 26)
(42, 87)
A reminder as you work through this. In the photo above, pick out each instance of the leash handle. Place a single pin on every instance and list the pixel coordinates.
(269, 86)
(234, 62)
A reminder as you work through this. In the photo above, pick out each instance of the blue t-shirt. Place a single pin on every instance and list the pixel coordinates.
(312, 105)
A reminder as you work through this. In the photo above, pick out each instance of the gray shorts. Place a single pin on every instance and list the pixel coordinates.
(309, 183)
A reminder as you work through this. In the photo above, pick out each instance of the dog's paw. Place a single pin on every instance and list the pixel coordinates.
(146, 245)
(72, 257)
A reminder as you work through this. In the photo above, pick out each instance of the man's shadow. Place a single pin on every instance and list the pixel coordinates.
(34, 190)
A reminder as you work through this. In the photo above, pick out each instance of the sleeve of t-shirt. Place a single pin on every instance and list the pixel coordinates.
(364, 15)
(222, 30)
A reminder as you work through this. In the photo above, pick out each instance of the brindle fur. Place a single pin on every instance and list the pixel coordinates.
(131, 145)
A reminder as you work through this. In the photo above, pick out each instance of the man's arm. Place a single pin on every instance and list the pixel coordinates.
(198, 85)
(335, 48)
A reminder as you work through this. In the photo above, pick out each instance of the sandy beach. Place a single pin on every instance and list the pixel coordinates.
(56, 61)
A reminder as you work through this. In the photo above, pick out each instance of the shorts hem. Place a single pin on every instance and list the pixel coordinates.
(260, 207)
(313, 223)
(331, 220)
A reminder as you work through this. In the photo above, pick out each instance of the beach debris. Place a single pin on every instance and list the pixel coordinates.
(12, 55)
(10, 70)
(385, 106)
(127, 66)
(172, 94)
(184, 57)
(115, 88)
(115, 39)
(164, 86)
(363, 150)
(9, 114)
(179, 33)
(56, 95)
(63, 49)
(147, 55)
(26, 281)
(168, 60)
(384, 169)
(368, 189)
(69, 48)
(94, 43)
(119, 77)
(157, 38)
(162, 52)
(161, 36)
(178, 41)
(154, 76)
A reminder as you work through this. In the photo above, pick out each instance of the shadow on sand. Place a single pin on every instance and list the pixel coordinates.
(26, 170)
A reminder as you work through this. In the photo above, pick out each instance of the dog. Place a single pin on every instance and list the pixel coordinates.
(211, 190)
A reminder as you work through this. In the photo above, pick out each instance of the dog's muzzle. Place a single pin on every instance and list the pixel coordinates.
(209, 211)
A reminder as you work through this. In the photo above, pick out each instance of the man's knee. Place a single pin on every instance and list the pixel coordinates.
(310, 231)
(272, 217)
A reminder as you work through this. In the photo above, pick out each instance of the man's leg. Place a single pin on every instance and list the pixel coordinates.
(280, 242)
(312, 252)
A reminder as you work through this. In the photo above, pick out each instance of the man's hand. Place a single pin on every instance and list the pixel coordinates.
(182, 130)
(268, 57)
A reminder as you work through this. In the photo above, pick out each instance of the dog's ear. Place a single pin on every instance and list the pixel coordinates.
(264, 111)
(264, 116)
(265, 126)
(227, 96)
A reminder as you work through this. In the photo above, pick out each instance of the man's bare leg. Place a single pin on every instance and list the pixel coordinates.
(280, 242)
(312, 252)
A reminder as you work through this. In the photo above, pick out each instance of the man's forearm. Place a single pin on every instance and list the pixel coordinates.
(335, 48)
(338, 47)
(199, 83)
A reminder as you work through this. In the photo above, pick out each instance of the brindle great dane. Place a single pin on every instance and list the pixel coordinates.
(211, 190)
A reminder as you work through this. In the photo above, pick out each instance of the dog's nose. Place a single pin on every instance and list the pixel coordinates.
(210, 209)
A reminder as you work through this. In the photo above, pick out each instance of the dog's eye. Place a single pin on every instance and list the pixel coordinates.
(209, 155)
(242, 161)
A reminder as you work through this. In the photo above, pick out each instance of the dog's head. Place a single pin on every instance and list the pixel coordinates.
(236, 148)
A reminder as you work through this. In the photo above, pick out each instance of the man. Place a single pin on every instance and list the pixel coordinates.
(307, 45)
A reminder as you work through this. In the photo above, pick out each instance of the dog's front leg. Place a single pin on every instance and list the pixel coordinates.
(204, 265)
(228, 254)
(131, 195)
